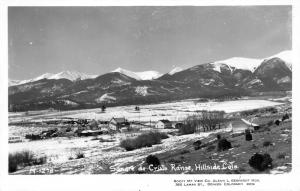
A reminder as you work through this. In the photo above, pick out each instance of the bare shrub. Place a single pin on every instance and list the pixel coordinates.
(261, 162)
(161, 135)
(22, 159)
(248, 135)
(187, 129)
(267, 143)
(152, 160)
(128, 144)
(197, 145)
(286, 116)
(224, 145)
(271, 110)
(79, 155)
(40, 160)
(254, 146)
(277, 122)
(281, 155)
(143, 140)
(103, 108)
(210, 148)
(208, 120)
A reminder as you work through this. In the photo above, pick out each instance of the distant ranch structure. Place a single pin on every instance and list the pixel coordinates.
(163, 124)
(118, 123)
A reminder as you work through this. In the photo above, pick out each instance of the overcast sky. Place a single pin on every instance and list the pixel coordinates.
(96, 40)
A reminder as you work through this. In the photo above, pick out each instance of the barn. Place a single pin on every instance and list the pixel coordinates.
(117, 123)
(163, 124)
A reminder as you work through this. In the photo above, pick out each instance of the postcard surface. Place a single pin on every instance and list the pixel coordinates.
(169, 94)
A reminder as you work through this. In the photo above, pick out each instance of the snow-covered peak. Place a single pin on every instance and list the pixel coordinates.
(127, 73)
(149, 75)
(13, 82)
(239, 63)
(19, 82)
(71, 75)
(286, 56)
(43, 76)
(175, 70)
(250, 63)
(146, 75)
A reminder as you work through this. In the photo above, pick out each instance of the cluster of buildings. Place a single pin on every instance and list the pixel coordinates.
(120, 123)
(84, 127)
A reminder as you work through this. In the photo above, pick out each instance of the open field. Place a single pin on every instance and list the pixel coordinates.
(174, 111)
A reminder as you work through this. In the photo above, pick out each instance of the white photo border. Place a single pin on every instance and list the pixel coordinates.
(141, 182)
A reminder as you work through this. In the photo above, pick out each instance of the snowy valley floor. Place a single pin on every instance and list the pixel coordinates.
(103, 155)
(174, 153)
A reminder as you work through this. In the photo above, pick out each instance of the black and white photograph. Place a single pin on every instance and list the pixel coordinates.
(141, 96)
(149, 90)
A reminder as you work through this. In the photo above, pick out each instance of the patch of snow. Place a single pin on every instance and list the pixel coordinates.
(68, 102)
(13, 82)
(80, 92)
(43, 76)
(146, 75)
(149, 75)
(127, 73)
(105, 98)
(286, 56)
(141, 90)
(70, 75)
(207, 81)
(279, 170)
(19, 82)
(249, 123)
(255, 81)
(286, 98)
(281, 167)
(239, 63)
(285, 79)
(119, 82)
(175, 70)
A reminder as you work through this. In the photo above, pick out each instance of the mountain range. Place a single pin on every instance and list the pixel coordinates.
(232, 77)
(70, 75)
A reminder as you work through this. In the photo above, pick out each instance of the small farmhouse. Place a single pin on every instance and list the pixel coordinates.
(117, 123)
(163, 124)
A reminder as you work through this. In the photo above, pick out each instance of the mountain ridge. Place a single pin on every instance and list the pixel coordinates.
(232, 63)
(122, 88)
(70, 75)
